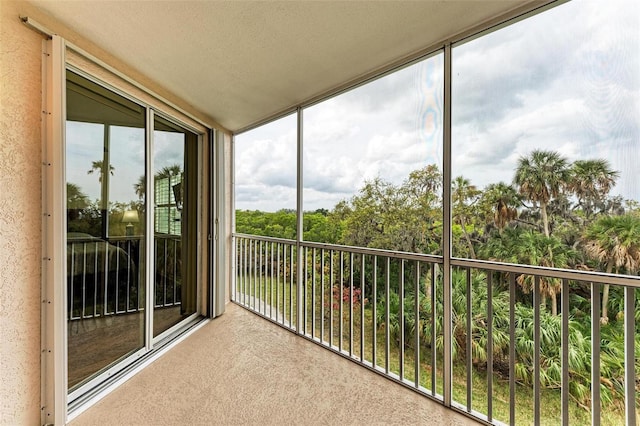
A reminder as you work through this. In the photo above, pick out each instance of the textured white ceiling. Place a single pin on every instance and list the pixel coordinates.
(240, 62)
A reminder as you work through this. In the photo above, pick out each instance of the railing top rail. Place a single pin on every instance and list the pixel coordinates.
(577, 275)
(263, 238)
(360, 250)
(376, 252)
(570, 274)
(92, 239)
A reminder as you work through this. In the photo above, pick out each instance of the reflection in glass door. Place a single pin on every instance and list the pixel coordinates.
(175, 224)
(105, 156)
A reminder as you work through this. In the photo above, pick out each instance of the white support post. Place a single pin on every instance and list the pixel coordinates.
(299, 230)
(446, 234)
(54, 288)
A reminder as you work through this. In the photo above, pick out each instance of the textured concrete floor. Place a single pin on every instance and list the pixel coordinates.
(241, 369)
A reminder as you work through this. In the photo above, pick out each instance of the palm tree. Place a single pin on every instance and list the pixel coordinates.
(463, 196)
(76, 199)
(140, 187)
(533, 248)
(498, 204)
(614, 241)
(540, 177)
(169, 171)
(100, 168)
(591, 181)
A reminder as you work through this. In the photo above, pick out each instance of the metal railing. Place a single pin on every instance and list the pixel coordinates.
(385, 311)
(103, 276)
(168, 257)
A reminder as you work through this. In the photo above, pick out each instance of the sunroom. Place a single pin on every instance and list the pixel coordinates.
(300, 212)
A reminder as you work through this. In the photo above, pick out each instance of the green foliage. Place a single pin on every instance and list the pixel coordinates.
(615, 242)
(556, 214)
(281, 224)
(407, 217)
(612, 346)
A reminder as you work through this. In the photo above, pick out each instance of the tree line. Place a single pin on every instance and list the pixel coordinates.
(554, 213)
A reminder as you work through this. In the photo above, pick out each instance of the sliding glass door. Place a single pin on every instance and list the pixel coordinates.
(105, 156)
(175, 197)
(115, 309)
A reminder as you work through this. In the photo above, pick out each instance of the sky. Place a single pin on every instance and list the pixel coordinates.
(566, 80)
(127, 157)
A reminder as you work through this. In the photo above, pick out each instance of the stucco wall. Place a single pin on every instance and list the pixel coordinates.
(20, 202)
(20, 220)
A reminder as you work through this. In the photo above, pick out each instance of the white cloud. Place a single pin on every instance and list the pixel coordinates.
(565, 80)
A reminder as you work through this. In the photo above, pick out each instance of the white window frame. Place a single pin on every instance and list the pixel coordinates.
(55, 398)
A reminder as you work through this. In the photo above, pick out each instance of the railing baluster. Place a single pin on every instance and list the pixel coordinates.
(595, 354)
(106, 277)
(256, 285)
(512, 349)
(387, 314)
(469, 336)
(95, 282)
(278, 248)
(175, 271)
(72, 280)
(156, 250)
(374, 313)
(489, 347)
(416, 321)
(237, 253)
(629, 356)
(164, 286)
(263, 276)
(434, 277)
(331, 286)
(401, 318)
(246, 301)
(84, 280)
(536, 350)
(322, 295)
(117, 279)
(247, 273)
(565, 352)
(128, 251)
(273, 283)
(268, 272)
(117, 273)
(249, 268)
(291, 265)
(282, 281)
(305, 292)
(241, 288)
(362, 292)
(268, 281)
(340, 326)
(257, 300)
(351, 304)
(313, 293)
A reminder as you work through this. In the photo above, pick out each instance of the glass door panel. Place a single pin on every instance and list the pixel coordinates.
(105, 161)
(175, 224)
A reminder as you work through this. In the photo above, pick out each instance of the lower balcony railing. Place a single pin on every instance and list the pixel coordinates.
(524, 344)
(103, 276)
